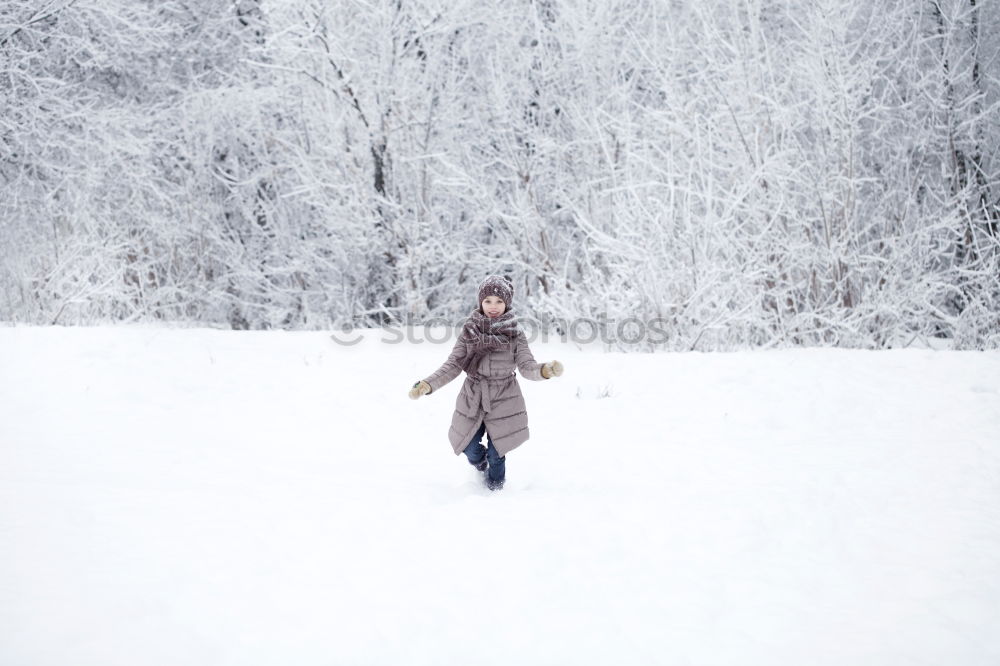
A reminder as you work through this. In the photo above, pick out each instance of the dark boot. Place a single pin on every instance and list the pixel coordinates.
(470, 453)
(498, 468)
(494, 485)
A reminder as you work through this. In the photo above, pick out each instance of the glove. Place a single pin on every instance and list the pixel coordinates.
(419, 389)
(552, 369)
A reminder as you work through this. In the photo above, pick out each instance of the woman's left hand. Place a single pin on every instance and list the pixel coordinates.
(552, 369)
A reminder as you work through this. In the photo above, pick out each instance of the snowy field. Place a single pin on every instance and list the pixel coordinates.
(200, 497)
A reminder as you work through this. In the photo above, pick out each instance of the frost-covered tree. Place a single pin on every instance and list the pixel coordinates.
(756, 173)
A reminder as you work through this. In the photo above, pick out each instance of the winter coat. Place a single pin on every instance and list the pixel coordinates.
(495, 399)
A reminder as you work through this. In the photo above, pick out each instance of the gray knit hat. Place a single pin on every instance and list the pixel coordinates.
(499, 286)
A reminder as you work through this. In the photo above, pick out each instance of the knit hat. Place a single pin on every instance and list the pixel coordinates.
(499, 286)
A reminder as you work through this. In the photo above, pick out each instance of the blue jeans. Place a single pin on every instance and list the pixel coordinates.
(476, 452)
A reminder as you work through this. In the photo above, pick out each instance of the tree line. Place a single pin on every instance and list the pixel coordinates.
(754, 174)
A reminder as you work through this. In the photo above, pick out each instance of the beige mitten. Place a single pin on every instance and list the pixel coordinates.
(419, 389)
(552, 369)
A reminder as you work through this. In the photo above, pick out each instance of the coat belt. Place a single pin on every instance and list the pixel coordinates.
(484, 392)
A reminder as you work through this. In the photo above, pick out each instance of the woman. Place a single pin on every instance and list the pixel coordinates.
(490, 401)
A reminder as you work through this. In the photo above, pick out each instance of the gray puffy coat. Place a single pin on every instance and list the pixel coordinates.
(496, 399)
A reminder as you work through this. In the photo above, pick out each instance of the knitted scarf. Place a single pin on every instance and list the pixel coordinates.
(483, 335)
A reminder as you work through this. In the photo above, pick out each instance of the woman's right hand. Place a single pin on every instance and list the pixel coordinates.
(419, 389)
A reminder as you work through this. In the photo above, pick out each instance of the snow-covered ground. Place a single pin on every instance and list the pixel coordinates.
(206, 497)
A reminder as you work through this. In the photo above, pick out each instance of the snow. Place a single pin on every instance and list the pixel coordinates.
(212, 497)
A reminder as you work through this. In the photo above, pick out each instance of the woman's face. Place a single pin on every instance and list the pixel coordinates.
(494, 306)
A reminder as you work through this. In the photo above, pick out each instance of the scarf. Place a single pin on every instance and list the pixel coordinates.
(483, 335)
